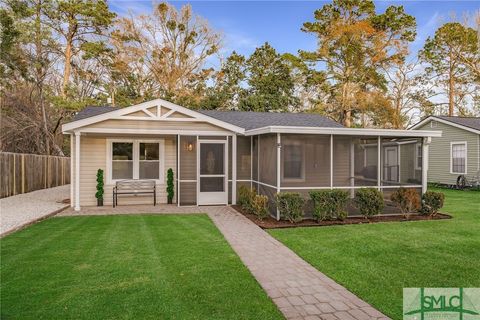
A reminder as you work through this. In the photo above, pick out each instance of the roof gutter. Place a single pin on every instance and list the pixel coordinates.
(344, 131)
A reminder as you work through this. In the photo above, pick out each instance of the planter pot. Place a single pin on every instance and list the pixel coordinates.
(99, 202)
(169, 201)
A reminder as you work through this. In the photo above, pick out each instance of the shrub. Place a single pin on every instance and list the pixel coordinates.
(329, 204)
(432, 202)
(100, 191)
(170, 187)
(290, 205)
(245, 198)
(407, 200)
(260, 206)
(369, 201)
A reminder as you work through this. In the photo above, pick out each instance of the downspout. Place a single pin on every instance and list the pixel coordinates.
(425, 146)
(279, 146)
(77, 171)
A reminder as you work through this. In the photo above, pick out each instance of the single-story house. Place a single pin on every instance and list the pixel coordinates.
(212, 153)
(456, 152)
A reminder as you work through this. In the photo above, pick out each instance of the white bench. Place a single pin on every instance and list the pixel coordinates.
(135, 187)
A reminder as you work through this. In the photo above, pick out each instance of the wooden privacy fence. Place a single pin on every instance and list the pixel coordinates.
(21, 173)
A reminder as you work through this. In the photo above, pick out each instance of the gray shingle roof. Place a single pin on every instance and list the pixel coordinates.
(243, 119)
(470, 122)
(88, 112)
(253, 120)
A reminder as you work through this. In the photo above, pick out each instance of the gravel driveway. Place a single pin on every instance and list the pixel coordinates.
(17, 211)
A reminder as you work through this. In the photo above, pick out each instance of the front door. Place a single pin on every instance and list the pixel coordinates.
(212, 179)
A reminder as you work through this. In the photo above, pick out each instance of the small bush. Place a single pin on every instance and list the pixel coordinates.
(432, 202)
(407, 200)
(290, 205)
(245, 198)
(260, 206)
(329, 204)
(369, 201)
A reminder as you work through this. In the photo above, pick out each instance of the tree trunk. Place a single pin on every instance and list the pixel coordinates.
(39, 75)
(67, 69)
(451, 88)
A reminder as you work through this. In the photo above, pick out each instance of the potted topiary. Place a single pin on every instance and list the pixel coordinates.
(170, 191)
(100, 191)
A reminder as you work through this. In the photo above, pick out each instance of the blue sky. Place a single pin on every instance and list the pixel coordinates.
(248, 24)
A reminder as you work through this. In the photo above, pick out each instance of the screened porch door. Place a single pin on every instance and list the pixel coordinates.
(212, 173)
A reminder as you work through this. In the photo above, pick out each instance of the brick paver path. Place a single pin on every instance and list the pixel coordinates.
(299, 290)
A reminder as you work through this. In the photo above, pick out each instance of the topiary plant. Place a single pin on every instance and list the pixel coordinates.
(170, 186)
(369, 201)
(100, 191)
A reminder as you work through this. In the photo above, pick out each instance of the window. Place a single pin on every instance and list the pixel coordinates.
(122, 160)
(293, 161)
(149, 166)
(134, 160)
(458, 159)
(418, 156)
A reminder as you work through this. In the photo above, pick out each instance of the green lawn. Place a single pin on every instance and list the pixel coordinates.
(376, 261)
(127, 267)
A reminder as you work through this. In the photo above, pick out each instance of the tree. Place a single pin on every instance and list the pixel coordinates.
(354, 43)
(452, 57)
(407, 93)
(270, 83)
(228, 88)
(77, 22)
(173, 47)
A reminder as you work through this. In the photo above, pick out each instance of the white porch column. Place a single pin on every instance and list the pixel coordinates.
(379, 162)
(352, 168)
(178, 170)
(279, 147)
(425, 145)
(331, 161)
(234, 169)
(72, 173)
(77, 171)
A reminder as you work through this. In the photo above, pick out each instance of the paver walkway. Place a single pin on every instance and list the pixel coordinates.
(299, 290)
(20, 210)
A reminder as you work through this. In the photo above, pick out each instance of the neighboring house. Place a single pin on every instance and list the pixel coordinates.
(212, 153)
(456, 152)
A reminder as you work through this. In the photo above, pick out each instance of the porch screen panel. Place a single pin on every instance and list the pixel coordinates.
(188, 170)
(268, 159)
(401, 162)
(270, 193)
(243, 158)
(188, 193)
(255, 158)
(341, 161)
(305, 160)
(365, 159)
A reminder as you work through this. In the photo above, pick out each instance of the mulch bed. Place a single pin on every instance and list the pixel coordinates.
(271, 223)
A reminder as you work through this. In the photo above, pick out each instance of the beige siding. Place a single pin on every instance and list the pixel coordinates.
(94, 156)
(156, 125)
(439, 153)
